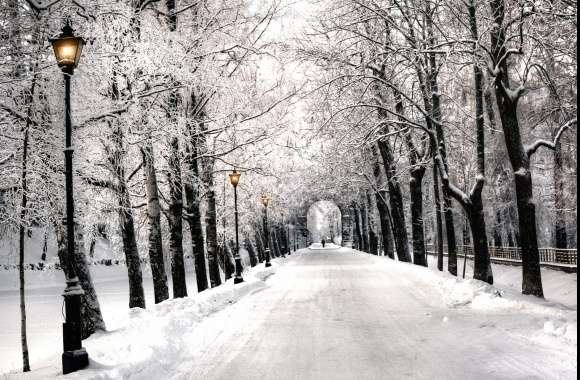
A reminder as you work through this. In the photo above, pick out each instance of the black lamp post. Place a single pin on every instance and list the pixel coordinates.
(265, 201)
(67, 50)
(234, 180)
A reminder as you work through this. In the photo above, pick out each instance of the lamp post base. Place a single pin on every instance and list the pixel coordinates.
(74, 355)
(238, 276)
(73, 361)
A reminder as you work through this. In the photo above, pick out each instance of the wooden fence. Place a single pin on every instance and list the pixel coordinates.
(547, 255)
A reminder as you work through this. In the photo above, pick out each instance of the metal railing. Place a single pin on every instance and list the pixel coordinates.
(547, 255)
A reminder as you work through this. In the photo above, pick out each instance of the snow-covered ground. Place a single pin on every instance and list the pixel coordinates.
(327, 246)
(559, 287)
(335, 314)
(44, 303)
(44, 308)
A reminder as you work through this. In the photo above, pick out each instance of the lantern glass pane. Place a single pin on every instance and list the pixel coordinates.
(80, 45)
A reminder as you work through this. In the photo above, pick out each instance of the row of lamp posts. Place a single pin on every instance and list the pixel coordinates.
(235, 180)
(67, 50)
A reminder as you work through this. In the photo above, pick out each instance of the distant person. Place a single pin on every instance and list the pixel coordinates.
(323, 242)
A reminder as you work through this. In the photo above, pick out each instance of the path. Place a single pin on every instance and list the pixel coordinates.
(338, 315)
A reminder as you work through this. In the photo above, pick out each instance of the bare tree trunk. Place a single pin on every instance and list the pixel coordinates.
(116, 158)
(358, 228)
(14, 30)
(396, 199)
(259, 242)
(436, 115)
(450, 232)
(175, 215)
(383, 207)
(472, 202)
(559, 200)
(482, 262)
(385, 221)
(519, 159)
(251, 251)
(211, 232)
(160, 289)
(91, 317)
(281, 240)
(276, 242)
(193, 212)
(373, 237)
(44, 245)
(127, 225)
(365, 225)
(23, 205)
(175, 221)
(228, 258)
(438, 217)
(497, 238)
(415, 186)
(417, 171)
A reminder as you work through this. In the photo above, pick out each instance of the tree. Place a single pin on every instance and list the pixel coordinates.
(507, 98)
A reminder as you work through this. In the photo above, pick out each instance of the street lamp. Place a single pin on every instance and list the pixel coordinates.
(67, 50)
(234, 180)
(265, 201)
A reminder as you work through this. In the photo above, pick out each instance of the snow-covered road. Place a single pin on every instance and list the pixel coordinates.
(340, 314)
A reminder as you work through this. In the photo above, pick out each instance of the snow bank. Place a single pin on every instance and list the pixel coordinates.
(143, 337)
(559, 321)
(553, 320)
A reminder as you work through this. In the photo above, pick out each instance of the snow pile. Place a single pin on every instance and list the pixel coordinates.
(559, 287)
(479, 295)
(558, 321)
(562, 329)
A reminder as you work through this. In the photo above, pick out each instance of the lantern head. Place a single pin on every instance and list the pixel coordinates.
(67, 49)
(235, 178)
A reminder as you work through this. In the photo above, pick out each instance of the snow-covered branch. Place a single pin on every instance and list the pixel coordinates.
(6, 159)
(531, 149)
(477, 187)
(12, 112)
(106, 184)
